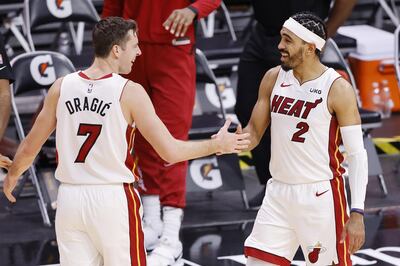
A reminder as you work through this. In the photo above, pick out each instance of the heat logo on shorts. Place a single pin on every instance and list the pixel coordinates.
(314, 251)
(60, 8)
(42, 70)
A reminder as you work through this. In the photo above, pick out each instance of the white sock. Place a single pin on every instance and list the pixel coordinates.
(172, 218)
(151, 208)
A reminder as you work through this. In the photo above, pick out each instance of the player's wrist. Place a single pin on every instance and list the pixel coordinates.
(216, 145)
(357, 211)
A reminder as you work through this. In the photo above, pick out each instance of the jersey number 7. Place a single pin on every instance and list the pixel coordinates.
(93, 132)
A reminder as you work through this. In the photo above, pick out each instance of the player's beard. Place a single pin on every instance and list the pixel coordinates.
(292, 60)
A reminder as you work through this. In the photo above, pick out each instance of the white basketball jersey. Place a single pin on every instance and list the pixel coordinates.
(305, 137)
(93, 139)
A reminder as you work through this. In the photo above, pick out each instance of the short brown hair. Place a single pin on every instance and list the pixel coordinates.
(111, 31)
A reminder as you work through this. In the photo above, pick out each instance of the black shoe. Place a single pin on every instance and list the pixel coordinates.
(256, 201)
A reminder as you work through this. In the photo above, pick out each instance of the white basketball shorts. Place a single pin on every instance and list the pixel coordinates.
(310, 215)
(99, 225)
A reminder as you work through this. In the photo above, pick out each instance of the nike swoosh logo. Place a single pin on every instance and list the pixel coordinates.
(319, 194)
(178, 257)
(285, 85)
(1, 68)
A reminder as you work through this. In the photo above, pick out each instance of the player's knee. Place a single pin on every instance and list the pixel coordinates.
(256, 262)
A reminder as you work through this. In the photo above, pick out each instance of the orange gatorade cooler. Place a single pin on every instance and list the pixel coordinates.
(372, 62)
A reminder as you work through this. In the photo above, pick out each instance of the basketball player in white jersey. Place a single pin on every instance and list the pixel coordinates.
(311, 110)
(95, 113)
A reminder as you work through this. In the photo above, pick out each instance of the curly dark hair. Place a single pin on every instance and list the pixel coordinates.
(313, 23)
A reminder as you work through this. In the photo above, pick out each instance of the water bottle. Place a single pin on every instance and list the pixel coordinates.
(386, 99)
(377, 98)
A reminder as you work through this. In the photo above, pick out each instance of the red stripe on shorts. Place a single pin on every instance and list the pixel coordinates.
(265, 256)
(341, 217)
(137, 251)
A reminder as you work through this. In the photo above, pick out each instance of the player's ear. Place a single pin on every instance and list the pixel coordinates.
(116, 50)
(311, 48)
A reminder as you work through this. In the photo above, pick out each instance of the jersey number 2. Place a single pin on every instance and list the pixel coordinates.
(303, 126)
(93, 132)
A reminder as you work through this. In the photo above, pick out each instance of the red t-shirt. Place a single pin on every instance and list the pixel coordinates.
(151, 14)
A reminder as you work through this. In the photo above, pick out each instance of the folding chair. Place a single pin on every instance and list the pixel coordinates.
(208, 27)
(34, 73)
(332, 57)
(38, 13)
(208, 118)
(211, 118)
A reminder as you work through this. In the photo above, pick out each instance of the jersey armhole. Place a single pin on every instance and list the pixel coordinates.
(120, 98)
(277, 78)
(60, 94)
(328, 93)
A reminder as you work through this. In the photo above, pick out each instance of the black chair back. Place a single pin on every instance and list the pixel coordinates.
(38, 70)
(41, 12)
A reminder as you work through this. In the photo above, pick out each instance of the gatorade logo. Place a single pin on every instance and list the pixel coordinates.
(60, 8)
(42, 70)
(226, 91)
(205, 173)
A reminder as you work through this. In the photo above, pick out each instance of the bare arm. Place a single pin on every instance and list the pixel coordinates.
(340, 11)
(31, 145)
(5, 103)
(170, 149)
(343, 104)
(261, 115)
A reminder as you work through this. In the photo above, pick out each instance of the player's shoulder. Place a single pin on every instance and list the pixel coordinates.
(269, 79)
(341, 87)
(57, 83)
(341, 95)
(132, 90)
(272, 73)
(133, 86)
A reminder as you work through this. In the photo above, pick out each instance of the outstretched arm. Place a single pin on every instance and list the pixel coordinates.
(31, 145)
(5, 105)
(342, 103)
(261, 115)
(170, 149)
(5, 99)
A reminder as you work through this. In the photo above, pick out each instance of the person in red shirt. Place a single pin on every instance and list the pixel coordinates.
(167, 71)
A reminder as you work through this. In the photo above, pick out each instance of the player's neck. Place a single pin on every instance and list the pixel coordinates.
(100, 68)
(308, 71)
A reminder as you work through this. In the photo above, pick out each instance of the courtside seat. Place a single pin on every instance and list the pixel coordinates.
(35, 72)
(39, 13)
(211, 118)
(370, 119)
